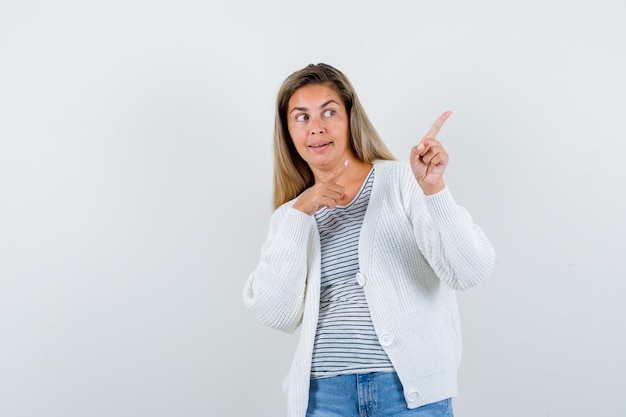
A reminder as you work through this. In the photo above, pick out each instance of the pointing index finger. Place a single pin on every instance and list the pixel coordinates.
(335, 177)
(436, 127)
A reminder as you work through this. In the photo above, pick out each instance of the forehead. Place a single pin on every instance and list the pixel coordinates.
(313, 95)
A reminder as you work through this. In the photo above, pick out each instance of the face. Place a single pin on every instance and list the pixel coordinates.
(319, 127)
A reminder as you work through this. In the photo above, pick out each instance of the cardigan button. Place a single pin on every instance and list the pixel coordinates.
(386, 339)
(360, 279)
(412, 396)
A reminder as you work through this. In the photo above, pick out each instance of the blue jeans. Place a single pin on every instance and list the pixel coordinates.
(367, 395)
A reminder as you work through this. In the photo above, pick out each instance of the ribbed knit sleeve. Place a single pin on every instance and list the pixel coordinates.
(454, 246)
(274, 292)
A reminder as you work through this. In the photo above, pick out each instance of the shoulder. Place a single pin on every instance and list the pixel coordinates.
(395, 178)
(392, 170)
(381, 164)
(283, 208)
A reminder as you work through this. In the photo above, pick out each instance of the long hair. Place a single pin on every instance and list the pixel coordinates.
(292, 174)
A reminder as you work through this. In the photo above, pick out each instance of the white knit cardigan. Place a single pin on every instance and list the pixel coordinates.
(414, 251)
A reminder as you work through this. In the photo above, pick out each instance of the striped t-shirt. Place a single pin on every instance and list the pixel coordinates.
(345, 341)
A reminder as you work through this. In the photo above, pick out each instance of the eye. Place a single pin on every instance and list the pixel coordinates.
(329, 113)
(302, 118)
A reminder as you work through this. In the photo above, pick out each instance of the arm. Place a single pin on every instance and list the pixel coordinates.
(275, 290)
(454, 246)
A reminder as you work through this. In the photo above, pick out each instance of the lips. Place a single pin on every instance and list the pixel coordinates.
(320, 146)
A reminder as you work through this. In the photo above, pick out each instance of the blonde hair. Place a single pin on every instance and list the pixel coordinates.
(292, 175)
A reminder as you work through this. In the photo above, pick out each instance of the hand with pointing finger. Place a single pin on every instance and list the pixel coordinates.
(429, 159)
(325, 193)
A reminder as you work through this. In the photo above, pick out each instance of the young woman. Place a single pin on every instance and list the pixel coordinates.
(365, 254)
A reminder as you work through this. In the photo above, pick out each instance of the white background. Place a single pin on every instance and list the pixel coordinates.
(135, 185)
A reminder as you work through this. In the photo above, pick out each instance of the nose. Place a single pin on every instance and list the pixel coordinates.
(317, 126)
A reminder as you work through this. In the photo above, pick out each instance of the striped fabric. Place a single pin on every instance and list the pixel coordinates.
(345, 342)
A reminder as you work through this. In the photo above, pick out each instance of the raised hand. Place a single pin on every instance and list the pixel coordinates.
(325, 193)
(429, 159)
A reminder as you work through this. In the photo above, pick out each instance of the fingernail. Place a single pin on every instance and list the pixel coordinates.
(420, 147)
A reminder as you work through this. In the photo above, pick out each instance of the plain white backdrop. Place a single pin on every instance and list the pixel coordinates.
(135, 185)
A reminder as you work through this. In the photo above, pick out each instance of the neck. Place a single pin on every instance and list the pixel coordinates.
(356, 171)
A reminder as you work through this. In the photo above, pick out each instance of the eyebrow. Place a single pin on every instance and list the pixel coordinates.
(321, 107)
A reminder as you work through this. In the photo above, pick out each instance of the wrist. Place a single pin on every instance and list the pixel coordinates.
(302, 207)
(430, 189)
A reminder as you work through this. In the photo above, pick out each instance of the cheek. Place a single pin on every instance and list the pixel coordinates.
(343, 132)
(296, 135)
